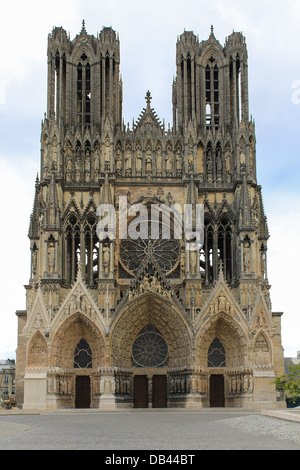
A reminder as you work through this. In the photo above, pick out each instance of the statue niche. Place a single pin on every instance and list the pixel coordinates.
(97, 161)
(69, 162)
(118, 160)
(158, 156)
(178, 153)
(87, 162)
(200, 156)
(128, 159)
(209, 164)
(219, 164)
(139, 159)
(78, 162)
(227, 158)
(169, 160)
(37, 353)
(148, 158)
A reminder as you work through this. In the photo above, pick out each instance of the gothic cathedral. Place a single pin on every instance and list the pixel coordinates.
(141, 322)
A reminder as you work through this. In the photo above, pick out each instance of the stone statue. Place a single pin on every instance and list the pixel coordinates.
(247, 257)
(97, 167)
(106, 258)
(51, 258)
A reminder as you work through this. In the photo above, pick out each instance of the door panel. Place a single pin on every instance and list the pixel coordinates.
(83, 392)
(140, 395)
(217, 396)
(159, 391)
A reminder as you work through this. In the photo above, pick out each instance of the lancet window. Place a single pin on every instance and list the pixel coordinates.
(225, 247)
(83, 91)
(59, 85)
(207, 260)
(236, 89)
(212, 93)
(81, 246)
(217, 249)
(208, 95)
(72, 248)
(91, 249)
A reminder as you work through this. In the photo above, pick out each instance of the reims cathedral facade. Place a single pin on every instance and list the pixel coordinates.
(147, 322)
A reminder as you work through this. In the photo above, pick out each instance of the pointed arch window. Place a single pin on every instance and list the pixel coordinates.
(239, 88)
(72, 248)
(235, 88)
(91, 249)
(87, 109)
(83, 91)
(216, 97)
(58, 95)
(207, 262)
(56, 84)
(212, 93)
(208, 95)
(216, 356)
(225, 247)
(79, 93)
(218, 241)
(189, 79)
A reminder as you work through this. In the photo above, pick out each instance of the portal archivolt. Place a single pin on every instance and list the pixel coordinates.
(225, 332)
(150, 309)
(72, 333)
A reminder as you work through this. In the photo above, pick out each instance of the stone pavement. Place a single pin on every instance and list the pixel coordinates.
(150, 430)
(288, 414)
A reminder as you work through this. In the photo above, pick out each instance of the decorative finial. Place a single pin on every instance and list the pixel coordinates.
(83, 26)
(148, 98)
(212, 29)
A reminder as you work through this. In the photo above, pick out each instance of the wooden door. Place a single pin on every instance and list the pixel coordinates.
(159, 391)
(217, 395)
(140, 393)
(83, 392)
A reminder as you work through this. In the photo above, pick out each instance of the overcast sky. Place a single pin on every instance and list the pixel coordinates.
(148, 33)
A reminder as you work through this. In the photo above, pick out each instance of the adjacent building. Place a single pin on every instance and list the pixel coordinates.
(7, 381)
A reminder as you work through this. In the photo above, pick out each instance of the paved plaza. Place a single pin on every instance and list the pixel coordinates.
(148, 430)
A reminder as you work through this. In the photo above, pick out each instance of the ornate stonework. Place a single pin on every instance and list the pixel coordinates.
(102, 313)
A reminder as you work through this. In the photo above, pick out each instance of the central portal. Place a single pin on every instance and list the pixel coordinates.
(142, 392)
(150, 351)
